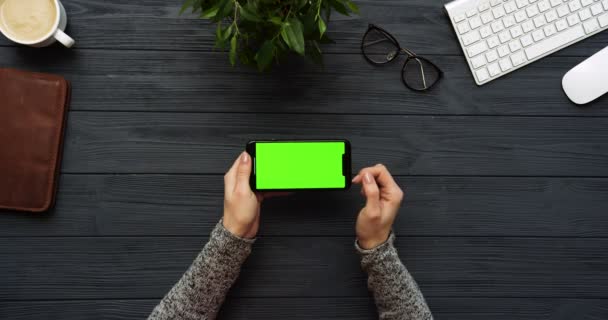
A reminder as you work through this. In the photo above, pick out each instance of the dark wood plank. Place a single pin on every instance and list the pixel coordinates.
(409, 145)
(421, 25)
(318, 308)
(147, 267)
(184, 205)
(105, 80)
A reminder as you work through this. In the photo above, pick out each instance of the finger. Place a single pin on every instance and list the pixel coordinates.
(230, 176)
(357, 179)
(372, 192)
(243, 172)
(382, 175)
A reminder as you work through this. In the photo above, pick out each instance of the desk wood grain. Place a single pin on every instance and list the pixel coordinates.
(506, 184)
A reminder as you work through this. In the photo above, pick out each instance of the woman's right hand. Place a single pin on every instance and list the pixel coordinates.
(384, 197)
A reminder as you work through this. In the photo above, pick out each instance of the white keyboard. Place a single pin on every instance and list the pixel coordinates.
(499, 36)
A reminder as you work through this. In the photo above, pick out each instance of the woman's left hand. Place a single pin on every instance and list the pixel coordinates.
(241, 204)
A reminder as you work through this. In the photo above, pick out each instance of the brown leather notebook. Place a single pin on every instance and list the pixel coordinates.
(33, 108)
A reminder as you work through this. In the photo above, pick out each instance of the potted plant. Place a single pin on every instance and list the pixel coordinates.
(258, 32)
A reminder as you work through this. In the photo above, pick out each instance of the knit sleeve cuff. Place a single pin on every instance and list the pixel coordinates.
(368, 256)
(224, 239)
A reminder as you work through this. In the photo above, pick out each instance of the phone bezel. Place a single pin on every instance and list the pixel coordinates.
(346, 163)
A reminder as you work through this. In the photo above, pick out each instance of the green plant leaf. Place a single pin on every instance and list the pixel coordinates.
(248, 13)
(225, 7)
(340, 7)
(265, 55)
(226, 33)
(322, 26)
(209, 13)
(187, 4)
(292, 35)
(353, 7)
(301, 3)
(276, 20)
(233, 44)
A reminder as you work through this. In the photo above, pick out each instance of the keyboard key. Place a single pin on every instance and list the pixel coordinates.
(574, 5)
(526, 40)
(491, 55)
(504, 36)
(555, 3)
(459, 17)
(484, 6)
(508, 21)
(493, 42)
(544, 5)
(497, 26)
(503, 51)
(586, 2)
(549, 30)
(527, 26)
(510, 6)
(516, 32)
(532, 11)
(505, 64)
(471, 37)
(520, 16)
(485, 32)
(477, 48)
(538, 35)
(596, 9)
(463, 27)
(561, 25)
(495, 2)
(584, 14)
(521, 3)
(573, 19)
(551, 16)
(482, 74)
(493, 69)
(475, 22)
(518, 58)
(498, 12)
(561, 39)
(478, 61)
(591, 26)
(603, 20)
(514, 45)
(486, 17)
(471, 13)
(563, 11)
(539, 21)
(605, 4)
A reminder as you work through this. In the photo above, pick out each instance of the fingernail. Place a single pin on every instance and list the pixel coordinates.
(368, 178)
(244, 157)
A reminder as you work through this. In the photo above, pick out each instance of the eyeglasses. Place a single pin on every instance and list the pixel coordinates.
(379, 47)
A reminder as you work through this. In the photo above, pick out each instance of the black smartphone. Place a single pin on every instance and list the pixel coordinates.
(291, 165)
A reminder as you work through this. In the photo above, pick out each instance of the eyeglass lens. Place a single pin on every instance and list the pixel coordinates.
(378, 47)
(419, 73)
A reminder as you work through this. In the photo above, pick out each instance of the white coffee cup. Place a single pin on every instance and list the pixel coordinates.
(55, 33)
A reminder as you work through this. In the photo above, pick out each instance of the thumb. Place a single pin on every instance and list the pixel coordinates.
(243, 172)
(372, 193)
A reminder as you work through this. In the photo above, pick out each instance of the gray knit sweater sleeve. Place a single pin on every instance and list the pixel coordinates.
(396, 293)
(200, 292)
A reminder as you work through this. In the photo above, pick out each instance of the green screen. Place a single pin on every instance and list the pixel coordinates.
(299, 165)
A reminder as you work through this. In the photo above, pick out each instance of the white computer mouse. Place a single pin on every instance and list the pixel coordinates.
(588, 80)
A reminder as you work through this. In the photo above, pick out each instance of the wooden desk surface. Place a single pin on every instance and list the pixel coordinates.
(506, 213)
